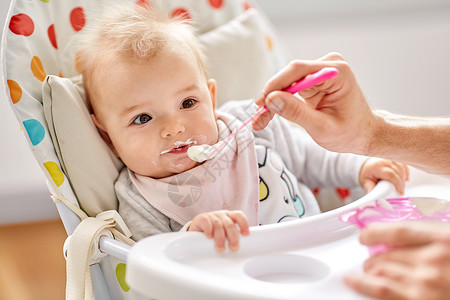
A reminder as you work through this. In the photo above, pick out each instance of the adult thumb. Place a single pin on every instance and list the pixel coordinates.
(291, 108)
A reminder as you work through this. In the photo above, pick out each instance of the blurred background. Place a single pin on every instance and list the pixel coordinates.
(399, 51)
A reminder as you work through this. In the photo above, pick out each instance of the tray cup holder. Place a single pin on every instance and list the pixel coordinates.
(286, 269)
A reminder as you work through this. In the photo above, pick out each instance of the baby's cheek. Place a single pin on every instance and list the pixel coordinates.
(137, 160)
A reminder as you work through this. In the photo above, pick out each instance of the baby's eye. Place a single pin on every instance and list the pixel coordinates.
(142, 119)
(188, 103)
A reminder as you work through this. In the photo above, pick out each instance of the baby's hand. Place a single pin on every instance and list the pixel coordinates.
(375, 169)
(221, 225)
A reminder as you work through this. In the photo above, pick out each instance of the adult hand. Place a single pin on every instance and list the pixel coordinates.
(221, 225)
(416, 267)
(335, 112)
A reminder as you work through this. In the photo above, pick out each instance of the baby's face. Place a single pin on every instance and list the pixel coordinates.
(152, 112)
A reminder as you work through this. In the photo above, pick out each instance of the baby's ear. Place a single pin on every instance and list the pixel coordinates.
(104, 134)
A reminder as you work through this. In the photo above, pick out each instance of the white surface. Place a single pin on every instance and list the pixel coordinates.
(302, 259)
(423, 184)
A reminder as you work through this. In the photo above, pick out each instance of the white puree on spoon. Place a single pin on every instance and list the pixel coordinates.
(199, 153)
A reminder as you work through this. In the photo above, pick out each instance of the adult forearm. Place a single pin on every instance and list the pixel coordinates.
(420, 142)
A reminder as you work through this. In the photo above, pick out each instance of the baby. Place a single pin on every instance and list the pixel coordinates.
(151, 99)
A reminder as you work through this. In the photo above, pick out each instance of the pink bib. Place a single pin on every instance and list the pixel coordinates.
(229, 181)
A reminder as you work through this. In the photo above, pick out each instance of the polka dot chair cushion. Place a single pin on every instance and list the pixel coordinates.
(40, 39)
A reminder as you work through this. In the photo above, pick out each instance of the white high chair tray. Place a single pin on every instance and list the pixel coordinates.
(302, 259)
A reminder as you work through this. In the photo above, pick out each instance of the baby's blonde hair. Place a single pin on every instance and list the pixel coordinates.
(130, 33)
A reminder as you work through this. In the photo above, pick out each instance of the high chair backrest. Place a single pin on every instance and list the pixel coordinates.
(38, 58)
(39, 40)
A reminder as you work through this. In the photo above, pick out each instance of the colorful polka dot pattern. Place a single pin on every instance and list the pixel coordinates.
(21, 24)
(343, 193)
(35, 130)
(216, 4)
(15, 91)
(269, 43)
(144, 3)
(52, 36)
(55, 172)
(77, 18)
(24, 24)
(181, 13)
(185, 13)
(120, 275)
(37, 68)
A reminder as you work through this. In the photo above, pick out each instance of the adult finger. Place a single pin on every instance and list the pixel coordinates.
(393, 270)
(376, 287)
(263, 120)
(294, 71)
(294, 109)
(423, 280)
(433, 254)
(407, 233)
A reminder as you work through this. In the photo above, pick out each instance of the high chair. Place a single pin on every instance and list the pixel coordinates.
(38, 58)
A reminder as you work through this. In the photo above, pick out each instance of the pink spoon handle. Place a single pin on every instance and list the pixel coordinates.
(259, 112)
(312, 79)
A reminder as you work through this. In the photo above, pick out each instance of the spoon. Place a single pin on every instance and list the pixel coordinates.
(204, 152)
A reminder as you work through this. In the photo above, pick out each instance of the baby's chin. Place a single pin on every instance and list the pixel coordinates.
(181, 167)
(172, 168)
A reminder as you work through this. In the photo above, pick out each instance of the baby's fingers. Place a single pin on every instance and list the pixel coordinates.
(400, 176)
(222, 226)
(405, 170)
(219, 233)
(231, 233)
(395, 177)
(203, 224)
(391, 171)
(368, 185)
(241, 220)
(232, 219)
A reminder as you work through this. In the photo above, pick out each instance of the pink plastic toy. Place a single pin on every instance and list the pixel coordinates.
(397, 209)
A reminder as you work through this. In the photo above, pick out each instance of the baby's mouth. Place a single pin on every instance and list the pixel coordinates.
(180, 147)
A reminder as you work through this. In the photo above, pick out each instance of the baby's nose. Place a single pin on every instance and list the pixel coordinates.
(172, 127)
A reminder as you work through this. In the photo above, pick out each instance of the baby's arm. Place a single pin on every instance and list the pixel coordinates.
(375, 169)
(221, 225)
